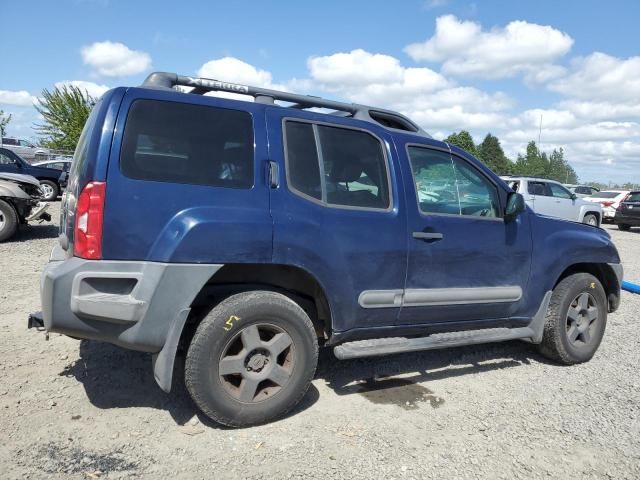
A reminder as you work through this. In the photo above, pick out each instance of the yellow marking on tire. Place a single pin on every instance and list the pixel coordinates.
(228, 325)
(593, 285)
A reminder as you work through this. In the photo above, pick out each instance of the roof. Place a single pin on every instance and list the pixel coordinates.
(525, 177)
(387, 118)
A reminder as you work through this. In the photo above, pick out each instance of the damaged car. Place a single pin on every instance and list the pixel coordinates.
(20, 203)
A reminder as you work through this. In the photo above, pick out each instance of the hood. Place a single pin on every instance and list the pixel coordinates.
(18, 177)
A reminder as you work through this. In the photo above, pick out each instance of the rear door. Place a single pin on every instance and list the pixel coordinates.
(186, 181)
(338, 213)
(538, 196)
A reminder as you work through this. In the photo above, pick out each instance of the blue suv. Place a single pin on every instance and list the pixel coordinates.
(246, 235)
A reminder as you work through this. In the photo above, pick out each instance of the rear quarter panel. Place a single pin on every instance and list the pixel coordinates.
(172, 222)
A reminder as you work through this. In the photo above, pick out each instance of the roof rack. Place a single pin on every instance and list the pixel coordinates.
(386, 118)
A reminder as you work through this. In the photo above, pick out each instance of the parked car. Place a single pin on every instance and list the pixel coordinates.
(610, 201)
(582, 191)
(229, 232)
(10, 162)
(20, 203)
(62, 164)
(26, 149)
(628, 212)
(552, 198)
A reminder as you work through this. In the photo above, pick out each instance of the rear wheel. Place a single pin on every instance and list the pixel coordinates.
(624, 227)
(251, 359)
(8, 221)
(576, 320)
(49, 189)
(590, 219)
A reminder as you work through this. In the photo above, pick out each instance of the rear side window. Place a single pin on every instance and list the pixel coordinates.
(344, 167)
(538, 188)
(183, 143)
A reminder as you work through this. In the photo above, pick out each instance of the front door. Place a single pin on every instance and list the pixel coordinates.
(563, 202)
(465, 262)
(338, 213)
(9, 162)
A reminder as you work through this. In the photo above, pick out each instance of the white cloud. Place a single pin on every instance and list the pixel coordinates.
(603, 77)
(93, 89)
(20, 98)
(112, 59)
(230, 69)
(465, 49)
(357, 67)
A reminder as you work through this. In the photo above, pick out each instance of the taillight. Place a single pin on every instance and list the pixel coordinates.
(87, 236)
(606, 204)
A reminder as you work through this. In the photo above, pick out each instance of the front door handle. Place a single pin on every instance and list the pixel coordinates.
(428, 236)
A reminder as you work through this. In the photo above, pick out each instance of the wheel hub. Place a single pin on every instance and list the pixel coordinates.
(256, 361)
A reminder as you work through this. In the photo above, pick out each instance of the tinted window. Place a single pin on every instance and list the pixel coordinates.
(348, 168)
(537, 188)
(559, 191)
(6, 159)
(582, 190)
(303, 168)
(446, 184)
(354, 168)
(633, 197)
(9, 141)
(182, 143)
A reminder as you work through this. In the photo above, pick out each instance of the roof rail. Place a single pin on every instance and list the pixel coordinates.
(386, 118)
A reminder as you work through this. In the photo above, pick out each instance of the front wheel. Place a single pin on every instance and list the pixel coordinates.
(575, 320)
(251, 359)
(624, 227)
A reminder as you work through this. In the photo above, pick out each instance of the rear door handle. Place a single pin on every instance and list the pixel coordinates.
(428, 235)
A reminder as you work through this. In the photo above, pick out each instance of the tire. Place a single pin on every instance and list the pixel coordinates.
(262, 382)
(572, 337)
(51, 190)
(8, 221)
(590, 219)
(624, 227)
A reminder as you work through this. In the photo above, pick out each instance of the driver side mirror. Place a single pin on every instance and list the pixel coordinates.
(515, 206)
(573, 196)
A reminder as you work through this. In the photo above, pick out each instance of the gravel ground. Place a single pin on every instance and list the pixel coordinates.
(71, 409)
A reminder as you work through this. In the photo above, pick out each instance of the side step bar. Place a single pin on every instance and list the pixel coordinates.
(389, 346)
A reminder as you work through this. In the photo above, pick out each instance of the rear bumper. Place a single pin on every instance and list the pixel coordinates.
(608, 212)
(626, 219)
(131, 304)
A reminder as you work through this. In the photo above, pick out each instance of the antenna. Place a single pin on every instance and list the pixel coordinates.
(540, 134)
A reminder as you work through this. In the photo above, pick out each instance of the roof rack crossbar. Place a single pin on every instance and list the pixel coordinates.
(266, 95)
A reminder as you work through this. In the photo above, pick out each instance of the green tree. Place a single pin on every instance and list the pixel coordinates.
(5, 118)
(491, 153)
(464, 140)
(65, 111)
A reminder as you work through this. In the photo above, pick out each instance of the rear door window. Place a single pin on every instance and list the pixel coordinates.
(538, 188)
(336, 166)
(633, 197)
(185, 143)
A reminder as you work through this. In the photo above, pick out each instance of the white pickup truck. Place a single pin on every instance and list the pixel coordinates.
(551, 198)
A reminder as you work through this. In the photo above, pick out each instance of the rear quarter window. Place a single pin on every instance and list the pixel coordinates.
(184, 143)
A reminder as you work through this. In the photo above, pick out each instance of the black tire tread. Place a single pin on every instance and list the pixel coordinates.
(11, 221)
(199, 347)
(552, 346)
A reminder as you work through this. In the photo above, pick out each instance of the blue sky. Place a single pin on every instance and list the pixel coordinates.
(485, 66)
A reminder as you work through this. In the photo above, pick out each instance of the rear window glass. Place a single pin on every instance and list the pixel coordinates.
(607, 194)
(634, 197)
(183, 143)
